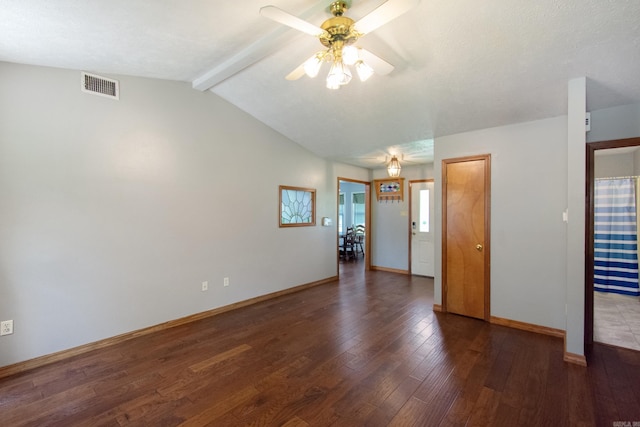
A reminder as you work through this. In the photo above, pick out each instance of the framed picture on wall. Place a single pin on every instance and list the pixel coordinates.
(297, 206)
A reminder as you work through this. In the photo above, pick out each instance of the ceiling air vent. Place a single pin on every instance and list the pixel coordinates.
(98, 85)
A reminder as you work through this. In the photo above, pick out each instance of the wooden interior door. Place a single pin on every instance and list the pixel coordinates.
(465, 237)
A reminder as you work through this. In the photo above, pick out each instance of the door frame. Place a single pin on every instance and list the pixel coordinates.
(487, 229)
(415, 181)
(589, 226)
(367, 219)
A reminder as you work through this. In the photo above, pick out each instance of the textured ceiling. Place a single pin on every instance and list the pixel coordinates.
(459, 65)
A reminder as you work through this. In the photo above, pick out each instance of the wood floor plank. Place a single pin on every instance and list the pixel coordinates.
(18, 393)
(604, 396)
(554, 400)
(535, 386)
(211, 361)
(626, 401)
(393, 403)
(506, 415)
(484, 412)
(582, 403)
(469, 392)
(365, 351)
(411, 414)
(218, 408)
(347, 389)
(500, 370)
(50, 408)
(295, 422)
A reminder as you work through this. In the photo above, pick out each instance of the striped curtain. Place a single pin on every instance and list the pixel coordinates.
(616, 237)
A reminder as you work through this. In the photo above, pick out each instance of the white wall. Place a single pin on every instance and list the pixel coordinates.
(390, 237)
(528, 236)
(114, 212)
(610, 165)
(615, 123)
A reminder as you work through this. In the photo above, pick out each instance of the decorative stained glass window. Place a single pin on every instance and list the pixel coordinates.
(390, 189)
(297, 206)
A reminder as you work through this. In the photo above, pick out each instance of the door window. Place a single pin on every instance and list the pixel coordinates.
(424, 211)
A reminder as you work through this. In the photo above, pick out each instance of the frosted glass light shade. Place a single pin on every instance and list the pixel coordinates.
(338, 75)
(332, 85)
(312, 66)
(350, 55)
(364, 71)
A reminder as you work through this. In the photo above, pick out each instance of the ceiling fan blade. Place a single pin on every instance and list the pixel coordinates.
(301, 70)
(276, 14)
(297, 73)
(384, 13)
(379, 65)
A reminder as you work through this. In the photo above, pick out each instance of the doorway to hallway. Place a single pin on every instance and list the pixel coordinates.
(353, 216)
(612, 315)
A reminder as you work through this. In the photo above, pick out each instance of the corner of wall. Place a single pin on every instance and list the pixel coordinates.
(576, 170)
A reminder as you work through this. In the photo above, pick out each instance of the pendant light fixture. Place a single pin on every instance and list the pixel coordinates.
(394, 167)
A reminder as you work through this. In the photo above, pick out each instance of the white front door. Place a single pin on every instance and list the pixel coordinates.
(422, 247)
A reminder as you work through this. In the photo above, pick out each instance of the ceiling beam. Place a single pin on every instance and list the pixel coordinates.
(253, 53)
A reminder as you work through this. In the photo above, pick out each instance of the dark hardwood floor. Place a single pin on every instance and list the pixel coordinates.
(366, 351)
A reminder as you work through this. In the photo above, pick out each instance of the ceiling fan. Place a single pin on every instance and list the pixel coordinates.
(338, 35)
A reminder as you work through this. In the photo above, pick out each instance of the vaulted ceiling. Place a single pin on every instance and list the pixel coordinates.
(459, 65)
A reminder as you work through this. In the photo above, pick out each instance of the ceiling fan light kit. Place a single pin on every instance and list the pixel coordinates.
(338, 35)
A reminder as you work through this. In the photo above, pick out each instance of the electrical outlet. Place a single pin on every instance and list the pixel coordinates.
(6, 327)
(226, 281)
(205, 286)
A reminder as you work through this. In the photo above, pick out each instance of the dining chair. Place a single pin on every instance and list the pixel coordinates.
(359, 239)
(348, 245)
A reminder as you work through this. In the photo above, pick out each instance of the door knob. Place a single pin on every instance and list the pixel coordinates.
(479, 247)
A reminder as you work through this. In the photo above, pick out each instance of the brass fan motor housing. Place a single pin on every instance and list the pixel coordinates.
(337, 8)
(338, 28)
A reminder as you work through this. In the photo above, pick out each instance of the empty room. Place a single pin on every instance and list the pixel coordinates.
(315, 213)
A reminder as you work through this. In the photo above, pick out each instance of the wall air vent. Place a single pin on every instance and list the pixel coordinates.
(101, 86)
